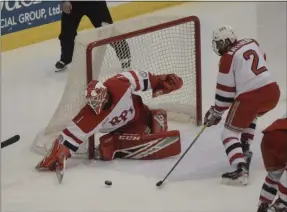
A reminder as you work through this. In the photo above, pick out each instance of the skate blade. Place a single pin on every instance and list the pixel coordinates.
(241, 182)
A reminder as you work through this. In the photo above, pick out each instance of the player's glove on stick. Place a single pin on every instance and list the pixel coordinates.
(212, 117)
(57, 155)
(164, 84)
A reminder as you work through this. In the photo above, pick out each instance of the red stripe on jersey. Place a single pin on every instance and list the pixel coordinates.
(219, 109)
(236, 156)
(136, 80)
(225, 88)
(68, 133)
(282, 189)
(270, 181)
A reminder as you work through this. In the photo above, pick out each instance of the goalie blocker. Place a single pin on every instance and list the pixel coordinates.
(159, 144)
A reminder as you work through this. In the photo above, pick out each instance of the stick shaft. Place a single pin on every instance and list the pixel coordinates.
(192, 143)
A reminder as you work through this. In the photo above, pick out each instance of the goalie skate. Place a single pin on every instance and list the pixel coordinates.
(238, 177)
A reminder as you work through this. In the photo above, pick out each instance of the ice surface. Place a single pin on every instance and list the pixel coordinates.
(31, 90)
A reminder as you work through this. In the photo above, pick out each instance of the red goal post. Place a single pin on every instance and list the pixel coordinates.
(158, 44)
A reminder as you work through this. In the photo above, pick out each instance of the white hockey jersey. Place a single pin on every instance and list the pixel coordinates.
(242, 69)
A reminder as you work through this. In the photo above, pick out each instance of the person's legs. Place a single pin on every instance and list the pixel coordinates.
(274, 154)
(69, 26)
(99, 15)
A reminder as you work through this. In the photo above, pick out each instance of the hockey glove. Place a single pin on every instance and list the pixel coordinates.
(164, 84)
(57, 155)
(212, 117)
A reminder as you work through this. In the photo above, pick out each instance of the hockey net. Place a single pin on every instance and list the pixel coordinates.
(160, 45)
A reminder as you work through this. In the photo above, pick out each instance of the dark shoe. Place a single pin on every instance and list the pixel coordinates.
(60, 66)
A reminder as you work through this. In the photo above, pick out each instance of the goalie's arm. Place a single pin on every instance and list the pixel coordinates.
(85, 124)
(144, 81)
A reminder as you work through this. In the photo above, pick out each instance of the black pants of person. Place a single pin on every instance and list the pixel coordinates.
(97, 12)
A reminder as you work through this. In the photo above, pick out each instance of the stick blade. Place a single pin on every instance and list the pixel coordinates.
(10, 141)
(159, 183)
(60, 172)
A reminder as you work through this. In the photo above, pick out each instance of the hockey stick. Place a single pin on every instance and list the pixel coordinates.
(159, 183)
(60, 172)
(10, 141)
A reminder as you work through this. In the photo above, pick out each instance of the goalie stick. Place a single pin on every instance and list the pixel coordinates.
(159, 183)
(60, 172)
(10, 141)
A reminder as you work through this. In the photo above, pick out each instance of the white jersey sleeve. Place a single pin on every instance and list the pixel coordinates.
(139, 80)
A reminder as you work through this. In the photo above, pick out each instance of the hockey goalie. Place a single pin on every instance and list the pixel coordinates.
(132, 130)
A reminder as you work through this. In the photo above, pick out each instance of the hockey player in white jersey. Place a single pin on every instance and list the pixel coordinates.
(133, 131)
(246, 88)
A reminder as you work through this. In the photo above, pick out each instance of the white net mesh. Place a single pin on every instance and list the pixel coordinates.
(159, 50)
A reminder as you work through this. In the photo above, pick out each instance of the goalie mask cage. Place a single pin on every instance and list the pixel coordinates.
(158, 44)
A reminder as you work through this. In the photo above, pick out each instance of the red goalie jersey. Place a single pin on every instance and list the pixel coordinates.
(120, 114)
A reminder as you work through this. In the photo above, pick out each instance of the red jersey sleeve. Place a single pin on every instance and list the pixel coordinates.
(85, 124)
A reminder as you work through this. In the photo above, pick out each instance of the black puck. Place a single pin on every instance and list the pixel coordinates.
(108, 182)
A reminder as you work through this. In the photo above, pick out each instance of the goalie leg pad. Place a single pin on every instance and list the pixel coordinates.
(140, 147)
(159, 121)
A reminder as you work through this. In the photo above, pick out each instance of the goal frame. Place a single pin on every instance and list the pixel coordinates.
(98, 43)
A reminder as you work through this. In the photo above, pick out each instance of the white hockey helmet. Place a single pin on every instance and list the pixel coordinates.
(222, 38)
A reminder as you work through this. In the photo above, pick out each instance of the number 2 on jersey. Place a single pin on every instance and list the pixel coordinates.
(255, 61)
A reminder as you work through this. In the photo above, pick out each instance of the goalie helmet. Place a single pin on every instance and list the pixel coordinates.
(222, 38)
(97, 96)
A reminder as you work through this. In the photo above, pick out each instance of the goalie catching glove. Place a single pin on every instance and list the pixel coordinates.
(164, 84)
